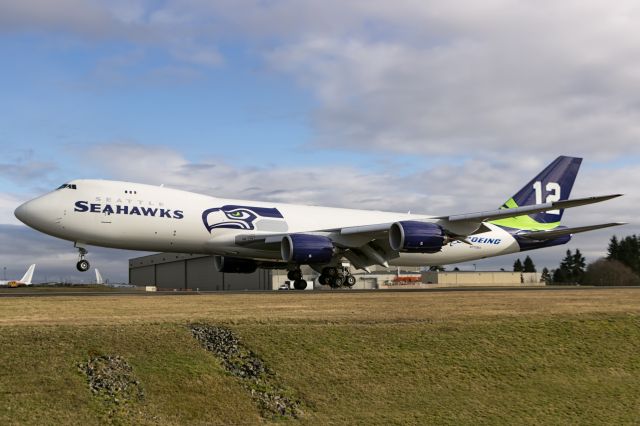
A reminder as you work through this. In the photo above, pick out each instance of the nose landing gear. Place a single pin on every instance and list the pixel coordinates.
(83, 264)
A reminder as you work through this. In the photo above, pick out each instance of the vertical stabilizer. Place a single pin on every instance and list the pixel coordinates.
(99, 279)
(554, 183)
(28, 276)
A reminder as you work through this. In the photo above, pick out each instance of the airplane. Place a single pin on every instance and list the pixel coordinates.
(25, 280)
(244, 235)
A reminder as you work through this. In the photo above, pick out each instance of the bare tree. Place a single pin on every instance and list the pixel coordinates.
(604, 272)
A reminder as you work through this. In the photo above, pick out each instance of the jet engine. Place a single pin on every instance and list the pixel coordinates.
(304, 249)
(416, 237)
(235, 265)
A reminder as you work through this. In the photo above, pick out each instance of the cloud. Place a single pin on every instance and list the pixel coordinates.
(432, 77)
(468, 95)
(446, 188)
(74, 16)
(8, 203)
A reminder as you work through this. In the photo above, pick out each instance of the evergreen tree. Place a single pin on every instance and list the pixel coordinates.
(517, 266)
(614, 249)
(565, 273)
(528, 265)
(578, 267)
(546, 276)
(626, 251)
(559, 277)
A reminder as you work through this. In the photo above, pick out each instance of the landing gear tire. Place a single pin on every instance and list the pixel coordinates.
(323, 280)
(83, 265)
(294, 275)
(330, 271)
(349, 281)
(335, 282)
(300, 284)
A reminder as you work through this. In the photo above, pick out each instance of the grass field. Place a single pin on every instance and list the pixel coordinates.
(544, 357)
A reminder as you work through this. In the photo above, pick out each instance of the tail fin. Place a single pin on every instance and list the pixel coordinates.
(99, 279)
(26, 279)
(554, 183)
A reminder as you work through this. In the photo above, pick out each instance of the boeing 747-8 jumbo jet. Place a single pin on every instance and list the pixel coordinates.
(245, 235)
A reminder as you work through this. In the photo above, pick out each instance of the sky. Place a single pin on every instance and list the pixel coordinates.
(427, 106)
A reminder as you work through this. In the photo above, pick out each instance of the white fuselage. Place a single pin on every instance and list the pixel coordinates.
(152, 218)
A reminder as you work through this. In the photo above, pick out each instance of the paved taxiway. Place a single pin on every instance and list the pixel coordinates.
(48, 292)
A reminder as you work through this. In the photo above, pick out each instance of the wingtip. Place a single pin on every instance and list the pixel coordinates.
(607, 197)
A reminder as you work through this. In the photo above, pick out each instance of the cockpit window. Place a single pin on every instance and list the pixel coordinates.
(67, 185)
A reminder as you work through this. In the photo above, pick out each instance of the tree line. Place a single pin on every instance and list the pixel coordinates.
(621, 266)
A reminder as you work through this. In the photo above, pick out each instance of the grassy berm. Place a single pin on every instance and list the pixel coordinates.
(553, 357)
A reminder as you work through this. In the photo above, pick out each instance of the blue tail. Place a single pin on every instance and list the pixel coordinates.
(552, 184)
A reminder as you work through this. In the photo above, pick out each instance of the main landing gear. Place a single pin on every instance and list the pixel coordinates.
(83, 264)
(337, 277)
(295, 275)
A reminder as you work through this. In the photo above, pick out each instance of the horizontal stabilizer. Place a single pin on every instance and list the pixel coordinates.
(549, 235)
(520, 211)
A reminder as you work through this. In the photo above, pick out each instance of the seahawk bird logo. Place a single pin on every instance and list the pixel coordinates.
(239, 217)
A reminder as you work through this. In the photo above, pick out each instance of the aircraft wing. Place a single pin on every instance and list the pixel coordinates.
(469, 223)
(548, 235)
(369, 244)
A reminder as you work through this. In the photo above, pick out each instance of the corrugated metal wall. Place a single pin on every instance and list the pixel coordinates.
(202, 274)
(171, 271)
(143, 275)
(171, 275)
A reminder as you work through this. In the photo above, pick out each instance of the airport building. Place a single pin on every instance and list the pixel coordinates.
(175, 271)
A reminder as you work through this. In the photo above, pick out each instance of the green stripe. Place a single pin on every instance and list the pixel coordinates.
(526, 223)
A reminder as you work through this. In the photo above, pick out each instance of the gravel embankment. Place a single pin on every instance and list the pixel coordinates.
(272, 398)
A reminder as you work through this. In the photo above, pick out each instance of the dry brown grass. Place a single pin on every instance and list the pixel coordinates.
(316, 307)
(476, 357)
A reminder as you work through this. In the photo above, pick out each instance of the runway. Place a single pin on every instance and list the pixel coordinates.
(48, 292)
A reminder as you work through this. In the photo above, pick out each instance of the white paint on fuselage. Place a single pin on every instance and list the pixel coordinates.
(56, 214)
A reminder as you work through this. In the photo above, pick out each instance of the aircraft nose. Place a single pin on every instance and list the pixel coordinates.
(22, 212)
(33, 213)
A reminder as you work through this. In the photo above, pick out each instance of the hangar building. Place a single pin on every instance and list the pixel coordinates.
(191, 272)
(176, 271)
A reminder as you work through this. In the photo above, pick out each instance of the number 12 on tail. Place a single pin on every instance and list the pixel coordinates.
(553, 194)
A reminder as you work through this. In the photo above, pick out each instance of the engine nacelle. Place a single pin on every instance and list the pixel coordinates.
(416, 237)
(235, 265)
(304, 249)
